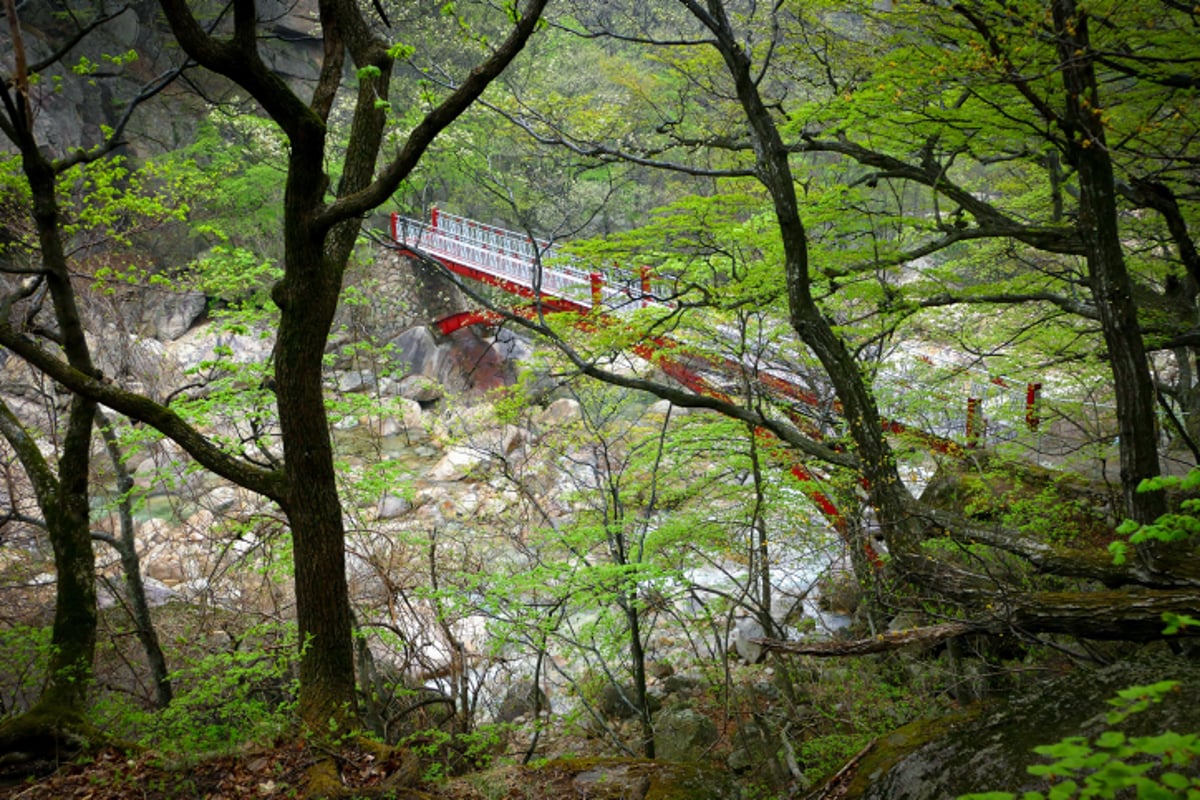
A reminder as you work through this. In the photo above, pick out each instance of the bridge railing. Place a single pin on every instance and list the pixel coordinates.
(520, 259)
(504, 255)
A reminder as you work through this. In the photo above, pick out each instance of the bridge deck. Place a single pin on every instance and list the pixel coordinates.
(533, 268)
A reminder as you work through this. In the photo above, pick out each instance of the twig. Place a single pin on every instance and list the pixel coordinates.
(821, 791)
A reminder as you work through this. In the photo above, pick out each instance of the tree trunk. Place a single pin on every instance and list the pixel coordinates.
(1112, 289)
(637, 663)
(307, 297)
(878, 465)
(317, 237)
(64, 498)
(74, 636)
(135, 587)
(68, 517)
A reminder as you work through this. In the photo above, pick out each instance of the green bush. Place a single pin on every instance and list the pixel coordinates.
(223, 700)
(24, 658)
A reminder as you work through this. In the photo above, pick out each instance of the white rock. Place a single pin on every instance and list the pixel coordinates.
(412, 418)
(663, 407)
(745, 630)
(167, 573)
(419, 388)
(562, 411)
(153, 531)
(220, 499)
(456, 464)
(513, 439)
(391, 506)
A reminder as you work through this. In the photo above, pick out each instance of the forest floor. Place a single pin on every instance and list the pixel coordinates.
(279, 772)
(276, 772)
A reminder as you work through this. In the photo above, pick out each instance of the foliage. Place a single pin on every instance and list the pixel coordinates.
(239, 163)
(1113, 762)
(223, 699)
(106, 206)
(853, 705)
(444, 754)
(1172, 527)
(233, 277)
(24, 655)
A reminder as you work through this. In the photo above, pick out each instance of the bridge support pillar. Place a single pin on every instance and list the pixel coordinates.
(1032, 420)
(597, 281)
(974, 421)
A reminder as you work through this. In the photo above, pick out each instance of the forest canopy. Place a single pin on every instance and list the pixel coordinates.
(917, 281)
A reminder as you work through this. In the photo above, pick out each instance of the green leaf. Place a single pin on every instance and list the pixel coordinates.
(1177, 622)
(1063, 791)
(400, 51)
(1174, 780)
(1148, 790)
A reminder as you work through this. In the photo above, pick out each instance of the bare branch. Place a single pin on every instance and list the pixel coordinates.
(265, 482)
(432, 124)
(884, 642)
(75, 39)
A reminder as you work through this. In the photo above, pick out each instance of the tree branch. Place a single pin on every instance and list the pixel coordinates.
(266, 482)
(432, 124)
(882, 643)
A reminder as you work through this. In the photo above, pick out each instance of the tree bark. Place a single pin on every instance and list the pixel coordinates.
(1112, 288)
(66, 505)
(318, 238)
(135, 588)
(859, 409)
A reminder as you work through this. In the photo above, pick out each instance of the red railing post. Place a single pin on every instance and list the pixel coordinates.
(395, 226)
(973, 405)
(645, 286)
(597, 280)
(433, 217)
(1031, 397)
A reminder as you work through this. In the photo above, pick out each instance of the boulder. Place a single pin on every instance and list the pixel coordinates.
(392, 506)
(355, 380)
(661, 408)
(756, 755)
(457, 464)
(683, 734)
(563, 411)
(409, 420)
(522, 700)
(420, 389)
(989, 748)
(630, 779)
(684, 685)
(222, 498)
(416, 351)
(169, 315)
(744, 630)
(617, 702)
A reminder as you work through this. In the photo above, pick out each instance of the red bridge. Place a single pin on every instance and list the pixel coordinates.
(535, 270)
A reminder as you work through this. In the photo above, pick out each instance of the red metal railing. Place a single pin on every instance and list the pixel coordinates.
(536, 268)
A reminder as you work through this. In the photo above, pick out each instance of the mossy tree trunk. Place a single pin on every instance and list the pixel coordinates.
(318, 239)
(62, 497)
(1112, 289)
